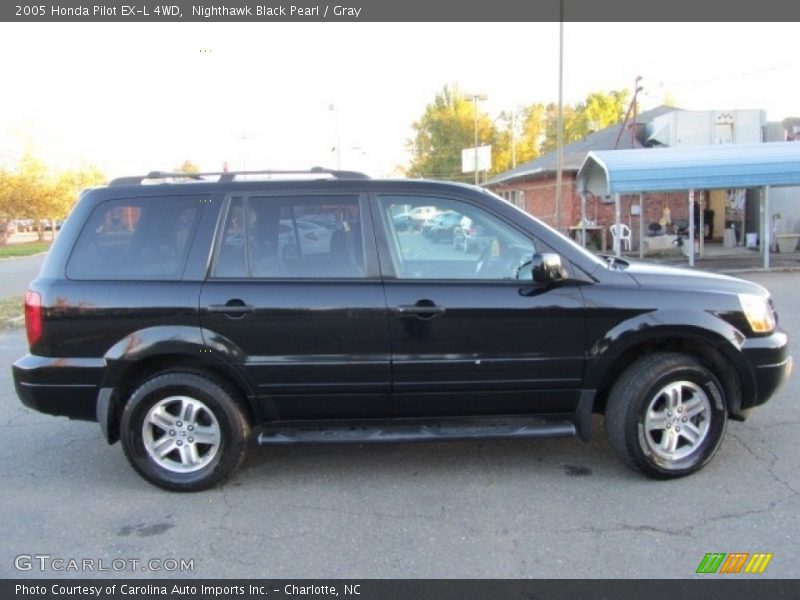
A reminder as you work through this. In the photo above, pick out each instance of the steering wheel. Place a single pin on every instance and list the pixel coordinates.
(520, 266)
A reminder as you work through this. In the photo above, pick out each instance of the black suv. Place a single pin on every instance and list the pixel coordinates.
(185, 313)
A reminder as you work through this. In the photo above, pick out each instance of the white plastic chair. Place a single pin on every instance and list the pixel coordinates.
(622, 235)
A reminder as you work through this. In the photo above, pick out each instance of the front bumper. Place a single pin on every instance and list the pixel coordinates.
(771, 365)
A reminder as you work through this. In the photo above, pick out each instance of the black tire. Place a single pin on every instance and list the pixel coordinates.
(666, 415)
(196, 406)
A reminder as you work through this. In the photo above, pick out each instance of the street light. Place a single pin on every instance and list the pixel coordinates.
(475, 98)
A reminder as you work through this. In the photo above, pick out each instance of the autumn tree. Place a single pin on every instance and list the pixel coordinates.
(7, 207)
(33, 191)
(518, 137)
(188, 167)
(598, 111)
(63, 189)
(447, 127)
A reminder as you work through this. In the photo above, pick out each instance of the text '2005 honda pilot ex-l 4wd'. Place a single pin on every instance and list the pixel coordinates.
(190, 314)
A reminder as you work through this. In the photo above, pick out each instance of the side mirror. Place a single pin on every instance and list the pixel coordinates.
(547, 268)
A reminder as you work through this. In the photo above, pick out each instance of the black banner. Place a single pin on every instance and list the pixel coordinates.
(407, 10)
(371, 589)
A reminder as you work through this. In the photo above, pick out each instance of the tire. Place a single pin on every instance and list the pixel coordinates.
(164, 421)
(666, 415)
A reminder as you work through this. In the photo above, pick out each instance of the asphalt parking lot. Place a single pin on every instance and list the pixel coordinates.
(492, 509)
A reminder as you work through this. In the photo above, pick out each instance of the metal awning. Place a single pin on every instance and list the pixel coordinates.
(607, 173)
(726, 166)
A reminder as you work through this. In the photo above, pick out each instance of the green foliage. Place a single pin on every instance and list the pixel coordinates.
(24, 249)
(596, 112)
(447, 127)
(188, 167)
(11, 313)
(34, 191)
(528, 126)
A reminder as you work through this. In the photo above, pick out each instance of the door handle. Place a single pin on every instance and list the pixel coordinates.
(421, 310)
(234, 307)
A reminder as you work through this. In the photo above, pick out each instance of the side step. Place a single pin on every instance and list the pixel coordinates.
(415, 430)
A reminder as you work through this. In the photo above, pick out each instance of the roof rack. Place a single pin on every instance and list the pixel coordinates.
(225, 176)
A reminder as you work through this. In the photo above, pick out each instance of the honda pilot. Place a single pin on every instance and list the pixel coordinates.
(189, 315)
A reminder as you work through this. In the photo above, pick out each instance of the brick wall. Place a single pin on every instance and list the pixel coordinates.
(540, 201)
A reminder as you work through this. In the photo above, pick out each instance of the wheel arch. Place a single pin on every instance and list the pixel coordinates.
(145, 353)
(707, 348)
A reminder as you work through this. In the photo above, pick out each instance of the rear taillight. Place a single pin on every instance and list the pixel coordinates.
(33, 316)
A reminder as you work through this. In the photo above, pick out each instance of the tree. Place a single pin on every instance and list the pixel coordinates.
(188, 167)
(24, 192)
(7, 208)
(32, 191)
(596, 112)
(64, 188)
(528, 126)
(447, 127)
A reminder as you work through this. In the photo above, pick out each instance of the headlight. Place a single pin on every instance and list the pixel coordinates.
(759, 313)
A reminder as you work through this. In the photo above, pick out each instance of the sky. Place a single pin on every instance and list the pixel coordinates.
(135, 97)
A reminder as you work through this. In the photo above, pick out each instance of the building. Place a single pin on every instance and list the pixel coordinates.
(532, 186)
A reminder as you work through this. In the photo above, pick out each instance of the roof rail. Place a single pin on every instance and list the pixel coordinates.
(224, 176)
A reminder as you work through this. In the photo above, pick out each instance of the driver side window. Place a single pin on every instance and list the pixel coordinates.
(442, 238)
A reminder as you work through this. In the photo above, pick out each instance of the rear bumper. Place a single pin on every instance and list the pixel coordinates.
(59, 386)
(771, 366)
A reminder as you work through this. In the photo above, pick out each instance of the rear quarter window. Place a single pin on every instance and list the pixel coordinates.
(138, 238)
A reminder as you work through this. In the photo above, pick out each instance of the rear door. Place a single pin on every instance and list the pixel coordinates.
(295, 297)
(471, 332)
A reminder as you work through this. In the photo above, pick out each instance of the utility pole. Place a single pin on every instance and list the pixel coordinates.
(513, 143)
(560, 122)
(475, 98)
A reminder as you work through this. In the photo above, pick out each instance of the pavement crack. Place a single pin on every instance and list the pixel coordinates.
(788, 423)
(622, 528)
(736, 515)
(769, 462)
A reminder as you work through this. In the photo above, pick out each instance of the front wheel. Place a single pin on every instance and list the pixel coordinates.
(666, 415)
(184, 432)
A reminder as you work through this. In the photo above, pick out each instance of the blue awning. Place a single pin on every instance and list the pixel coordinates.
(728, 166)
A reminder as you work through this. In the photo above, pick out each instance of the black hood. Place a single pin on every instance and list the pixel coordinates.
(653, 276)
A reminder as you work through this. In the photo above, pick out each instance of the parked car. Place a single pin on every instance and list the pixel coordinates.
(440, 227)
(165, 313)
(421, 215)
(48, 224)
(404, 222)
(301, 237)
(471, 235)
(24, 225)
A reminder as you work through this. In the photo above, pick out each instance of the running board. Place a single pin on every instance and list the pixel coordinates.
(412, 430)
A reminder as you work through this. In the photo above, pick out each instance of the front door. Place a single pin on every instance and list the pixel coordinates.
(471, 332)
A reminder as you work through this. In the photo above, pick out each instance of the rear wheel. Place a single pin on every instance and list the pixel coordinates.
(666, 415)
(184, 432)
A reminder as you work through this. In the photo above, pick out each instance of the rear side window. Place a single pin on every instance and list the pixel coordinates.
(297, 237)
(138, 238)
